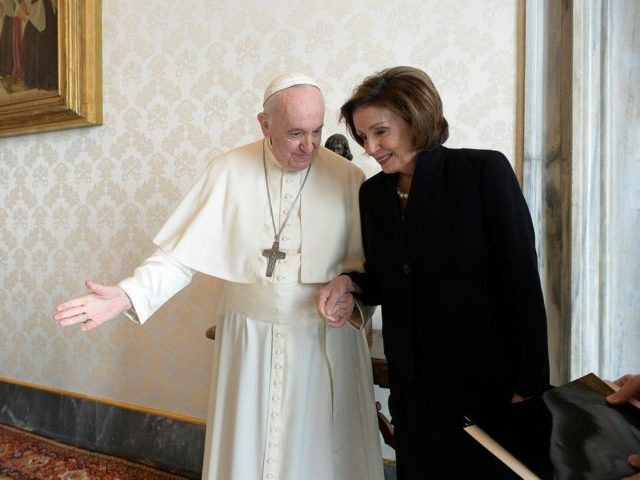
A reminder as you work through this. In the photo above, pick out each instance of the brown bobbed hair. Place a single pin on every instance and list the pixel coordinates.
(409, 93)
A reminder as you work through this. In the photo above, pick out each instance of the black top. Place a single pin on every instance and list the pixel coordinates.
(457, 275)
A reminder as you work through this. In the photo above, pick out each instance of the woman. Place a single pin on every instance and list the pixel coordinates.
(450, 257)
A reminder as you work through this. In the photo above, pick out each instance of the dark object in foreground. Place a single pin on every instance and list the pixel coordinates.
(568, 432)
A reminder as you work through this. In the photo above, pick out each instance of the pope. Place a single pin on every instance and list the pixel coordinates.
(291, 397)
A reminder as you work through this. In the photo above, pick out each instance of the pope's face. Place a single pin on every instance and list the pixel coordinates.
(293, 124)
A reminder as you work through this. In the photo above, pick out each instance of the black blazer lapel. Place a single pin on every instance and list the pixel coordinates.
(428, 167)
(393, 213)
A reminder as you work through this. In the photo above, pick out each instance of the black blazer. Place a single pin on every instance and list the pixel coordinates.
(457, 277)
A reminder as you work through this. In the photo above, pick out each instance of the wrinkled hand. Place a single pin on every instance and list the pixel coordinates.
(102, 304)
(634, 460)
(335, 302)
(342, 310)
(629, 391)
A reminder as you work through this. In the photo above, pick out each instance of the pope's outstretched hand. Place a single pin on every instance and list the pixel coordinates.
(104, 303)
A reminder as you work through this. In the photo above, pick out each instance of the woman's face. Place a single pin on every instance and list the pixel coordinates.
(386, 137)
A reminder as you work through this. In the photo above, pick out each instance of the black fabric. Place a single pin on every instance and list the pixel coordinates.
(428, 420)
(569, 432)
(456, 276)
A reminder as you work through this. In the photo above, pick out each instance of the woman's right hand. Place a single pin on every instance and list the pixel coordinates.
(104, 303)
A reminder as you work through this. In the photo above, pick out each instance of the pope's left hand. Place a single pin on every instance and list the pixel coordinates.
(335, 302)
(342, 311)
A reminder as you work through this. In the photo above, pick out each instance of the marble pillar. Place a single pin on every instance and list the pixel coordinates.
(547, 162)
(606, 188)
(581, 177)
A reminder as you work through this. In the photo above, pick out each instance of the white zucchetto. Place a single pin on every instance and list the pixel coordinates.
(287, 80)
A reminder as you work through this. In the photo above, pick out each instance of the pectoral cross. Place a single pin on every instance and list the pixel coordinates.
(273, 254)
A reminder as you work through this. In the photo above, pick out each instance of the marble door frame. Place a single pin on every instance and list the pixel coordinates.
(578, 99)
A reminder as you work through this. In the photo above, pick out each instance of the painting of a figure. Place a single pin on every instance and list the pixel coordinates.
(50, 65)
(28, 48)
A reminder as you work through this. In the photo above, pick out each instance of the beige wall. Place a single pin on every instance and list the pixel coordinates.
(182, 82)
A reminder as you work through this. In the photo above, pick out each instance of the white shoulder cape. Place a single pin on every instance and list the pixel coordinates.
(214, 230)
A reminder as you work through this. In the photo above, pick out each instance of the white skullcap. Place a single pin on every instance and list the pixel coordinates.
(287, 80)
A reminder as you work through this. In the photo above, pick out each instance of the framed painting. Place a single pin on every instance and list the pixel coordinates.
(50, 65)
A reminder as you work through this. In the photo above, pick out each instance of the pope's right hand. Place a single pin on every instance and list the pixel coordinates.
(103, 303)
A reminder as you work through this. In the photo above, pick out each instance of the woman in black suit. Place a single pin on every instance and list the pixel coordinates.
(450, 257)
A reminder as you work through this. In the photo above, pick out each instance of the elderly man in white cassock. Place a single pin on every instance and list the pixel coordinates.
(291, 395)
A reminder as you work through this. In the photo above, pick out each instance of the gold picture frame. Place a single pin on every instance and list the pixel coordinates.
(77, 100)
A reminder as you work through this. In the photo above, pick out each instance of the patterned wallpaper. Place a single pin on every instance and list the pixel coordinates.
(182, 84)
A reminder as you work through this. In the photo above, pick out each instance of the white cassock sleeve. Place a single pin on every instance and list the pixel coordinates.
(153, 283)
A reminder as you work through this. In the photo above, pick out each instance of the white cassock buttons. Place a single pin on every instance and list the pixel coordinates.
(271, 466)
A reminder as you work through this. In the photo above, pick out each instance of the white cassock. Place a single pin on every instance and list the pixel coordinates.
(291, 398)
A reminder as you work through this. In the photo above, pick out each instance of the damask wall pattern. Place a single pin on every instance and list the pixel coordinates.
(182, 83)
